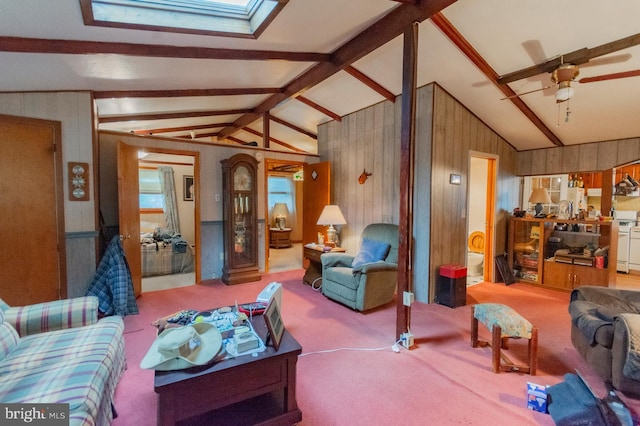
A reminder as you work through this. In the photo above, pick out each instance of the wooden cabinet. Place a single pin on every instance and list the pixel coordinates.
(568, 276)
(592, 180)
(533, 245)
(279, 238)
(240, 219)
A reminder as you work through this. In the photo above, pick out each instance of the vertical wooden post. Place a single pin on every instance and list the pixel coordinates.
(407, 148)
(266, 129)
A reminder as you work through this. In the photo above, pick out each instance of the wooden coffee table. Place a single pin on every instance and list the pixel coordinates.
(242, 390)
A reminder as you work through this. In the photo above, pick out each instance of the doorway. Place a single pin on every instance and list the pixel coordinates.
(480, 223)
(284, 215)
(168, 250)
(161, 223)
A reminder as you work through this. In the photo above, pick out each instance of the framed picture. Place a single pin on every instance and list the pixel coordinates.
(275, 326)
(187, 188)
(455, 179)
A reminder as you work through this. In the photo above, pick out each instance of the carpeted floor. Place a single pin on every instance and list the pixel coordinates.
(441, 380)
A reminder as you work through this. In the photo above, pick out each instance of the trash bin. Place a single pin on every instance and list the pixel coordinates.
(451, 289)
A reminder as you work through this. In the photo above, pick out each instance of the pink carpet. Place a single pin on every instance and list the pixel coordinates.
(442, 380)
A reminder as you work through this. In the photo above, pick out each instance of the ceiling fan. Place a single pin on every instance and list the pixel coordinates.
(565, 68)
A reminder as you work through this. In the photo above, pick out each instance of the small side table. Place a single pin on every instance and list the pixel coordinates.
(279, 238)
(313, 273)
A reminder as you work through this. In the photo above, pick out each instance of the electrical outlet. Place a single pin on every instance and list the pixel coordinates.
(406, 340)
(221, 255)
(407, 298)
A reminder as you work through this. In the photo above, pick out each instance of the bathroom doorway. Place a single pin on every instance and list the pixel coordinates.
(480, 223)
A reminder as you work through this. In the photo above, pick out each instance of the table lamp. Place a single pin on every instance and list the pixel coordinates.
(539, 196)
(331, 215)
(280, 213)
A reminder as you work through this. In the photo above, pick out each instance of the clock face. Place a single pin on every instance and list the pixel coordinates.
(242, 179)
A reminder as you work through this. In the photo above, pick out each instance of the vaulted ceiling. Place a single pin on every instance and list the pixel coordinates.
(320, 60)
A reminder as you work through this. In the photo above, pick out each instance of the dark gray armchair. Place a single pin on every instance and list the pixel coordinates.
(370, 284)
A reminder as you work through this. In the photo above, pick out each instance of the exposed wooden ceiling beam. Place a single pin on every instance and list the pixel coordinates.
(78, 47)
(382, 31)
(169, 115)
(320, 108)
(293, 126)
(179, 129)
(274, 140)
(372, 84)
(470, 52)
(108, 94)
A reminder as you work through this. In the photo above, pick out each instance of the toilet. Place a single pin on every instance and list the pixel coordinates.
(475, 253)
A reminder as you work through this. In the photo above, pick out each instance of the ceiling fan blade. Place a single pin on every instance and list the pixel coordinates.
(613, 76)
(535, 51)
(577, 57)
(526, 93)
(613, 59)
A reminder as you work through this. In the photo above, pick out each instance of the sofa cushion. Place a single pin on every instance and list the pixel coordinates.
(370, 251)
(8, 339)
(3, 305)
(341, 275)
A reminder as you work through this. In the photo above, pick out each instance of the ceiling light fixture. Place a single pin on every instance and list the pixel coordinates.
(564, 92)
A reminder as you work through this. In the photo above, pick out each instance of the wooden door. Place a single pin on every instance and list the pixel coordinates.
(32, 204)
(129, 211)
(316, 194)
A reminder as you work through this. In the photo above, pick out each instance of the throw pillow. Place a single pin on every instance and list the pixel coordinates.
(370, 251)
(3, 305)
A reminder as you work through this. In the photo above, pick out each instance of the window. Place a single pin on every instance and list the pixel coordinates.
(232, 18)
(151, 197)
(555, 186)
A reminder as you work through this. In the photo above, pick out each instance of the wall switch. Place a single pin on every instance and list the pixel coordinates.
(217, 198)
(221, 255)
(408, 298)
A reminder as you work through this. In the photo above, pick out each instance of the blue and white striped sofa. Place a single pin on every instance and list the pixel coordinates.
(58, 352)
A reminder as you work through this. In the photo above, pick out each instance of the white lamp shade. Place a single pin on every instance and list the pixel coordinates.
(540, 195)
(331, 215)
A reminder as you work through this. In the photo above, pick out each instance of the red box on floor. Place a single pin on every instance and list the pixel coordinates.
(453, 271)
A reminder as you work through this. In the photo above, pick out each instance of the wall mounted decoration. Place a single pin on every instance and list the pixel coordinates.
(363, 177)
(187, 188)
(455, 179)
(78, 181)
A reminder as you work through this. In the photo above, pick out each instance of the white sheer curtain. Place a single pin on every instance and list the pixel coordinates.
(170, 203)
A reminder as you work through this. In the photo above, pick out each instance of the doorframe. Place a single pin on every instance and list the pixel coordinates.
(196, 195)
(267, 172)
(490, 213)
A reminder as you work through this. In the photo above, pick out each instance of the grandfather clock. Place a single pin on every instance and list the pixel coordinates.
(240, 219)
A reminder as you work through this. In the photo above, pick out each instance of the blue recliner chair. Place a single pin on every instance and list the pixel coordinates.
(371, 280)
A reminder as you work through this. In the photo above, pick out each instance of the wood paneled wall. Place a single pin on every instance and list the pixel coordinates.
(597, 156)
(456, 134)
(446, 132)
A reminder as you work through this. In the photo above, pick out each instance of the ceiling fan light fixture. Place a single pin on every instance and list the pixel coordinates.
(564, 92)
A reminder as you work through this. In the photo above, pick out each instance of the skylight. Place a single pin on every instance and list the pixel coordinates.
(232, 18)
